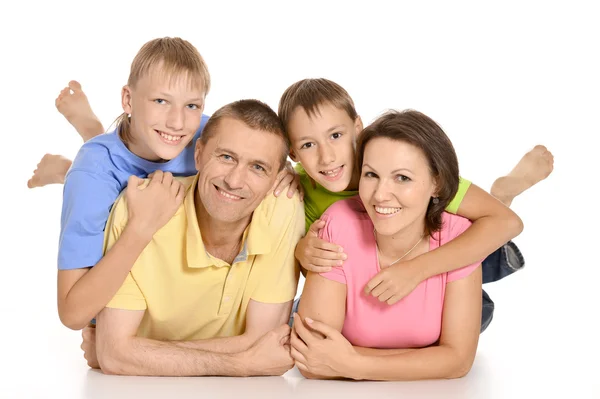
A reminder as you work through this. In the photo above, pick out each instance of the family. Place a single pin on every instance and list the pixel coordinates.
(179, 255)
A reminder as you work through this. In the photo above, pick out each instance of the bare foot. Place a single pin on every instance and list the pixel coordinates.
(74, 105)
(534, 167)
(51, 170)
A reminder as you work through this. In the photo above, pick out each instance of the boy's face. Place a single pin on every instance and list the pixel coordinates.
(165, 114)
(325, 145)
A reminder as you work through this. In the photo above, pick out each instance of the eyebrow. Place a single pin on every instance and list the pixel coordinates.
(331, 129)
(394, 171)
(197, 99)
(260, 162)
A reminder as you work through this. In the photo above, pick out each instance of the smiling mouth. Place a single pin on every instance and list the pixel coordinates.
(386, 210)
(228, 195)
(332, 173)
(169, 138)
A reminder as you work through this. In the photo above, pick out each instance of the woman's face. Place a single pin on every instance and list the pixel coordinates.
(395, 185)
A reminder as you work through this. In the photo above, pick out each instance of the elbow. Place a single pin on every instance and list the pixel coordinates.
(461, 367)
(515, 224)
(110, 363)
(70, 319)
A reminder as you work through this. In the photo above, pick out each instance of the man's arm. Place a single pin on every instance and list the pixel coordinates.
(260, 319)
(121, 352)
(494, 224)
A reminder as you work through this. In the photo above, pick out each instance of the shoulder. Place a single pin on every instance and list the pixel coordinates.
(345, 218)
(278, 211)
(346, 210)
(96, 154)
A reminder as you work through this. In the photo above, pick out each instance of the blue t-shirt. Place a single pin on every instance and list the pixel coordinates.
(98, 175)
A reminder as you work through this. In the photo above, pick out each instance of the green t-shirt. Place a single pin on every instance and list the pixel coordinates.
(318, 199)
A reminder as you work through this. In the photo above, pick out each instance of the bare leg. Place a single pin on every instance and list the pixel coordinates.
(534, 167)
(74, 105)
(51, 170)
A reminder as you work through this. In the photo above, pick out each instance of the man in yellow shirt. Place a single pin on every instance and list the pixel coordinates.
(212, 292)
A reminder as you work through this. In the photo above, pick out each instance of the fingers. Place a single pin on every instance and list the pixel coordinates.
(180, 193)
(297, 343)
(283, 331)
(167, 179)
(283, 183)
(297, 356)
(157, 177)
(325, 329)
(303, 333)
(374, 282)
(316, 226)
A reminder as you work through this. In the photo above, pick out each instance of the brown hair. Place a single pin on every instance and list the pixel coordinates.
(254, 114)
(312, 93)
(176, 57)
(422, 132)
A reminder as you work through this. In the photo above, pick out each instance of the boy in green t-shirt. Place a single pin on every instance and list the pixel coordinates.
(323, 126)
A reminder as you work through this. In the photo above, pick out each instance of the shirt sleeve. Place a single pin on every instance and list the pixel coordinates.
(279, 269)
(336, 273)
(463, 186)
(129, 296)
(87, 200)
(456, 226)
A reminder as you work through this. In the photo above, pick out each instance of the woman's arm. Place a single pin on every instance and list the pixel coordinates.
(454, 355)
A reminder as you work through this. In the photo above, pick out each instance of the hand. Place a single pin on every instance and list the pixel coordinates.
(395, 282)
(290, 178)
(323, 357)
(152, 207)
(270, 355)
(317, 255)
(89, 346)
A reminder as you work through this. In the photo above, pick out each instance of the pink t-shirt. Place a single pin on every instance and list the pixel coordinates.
(413, 322)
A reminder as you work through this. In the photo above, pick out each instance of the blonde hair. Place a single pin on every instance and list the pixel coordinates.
(312, 93)
(177, 57)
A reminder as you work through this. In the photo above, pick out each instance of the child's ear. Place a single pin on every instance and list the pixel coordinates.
(126, 99)
(293, 155)
(358, 125)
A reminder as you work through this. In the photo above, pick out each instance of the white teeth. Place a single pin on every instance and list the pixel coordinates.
(169, 137)
(230, 196)
(386, 211)
(332, 172)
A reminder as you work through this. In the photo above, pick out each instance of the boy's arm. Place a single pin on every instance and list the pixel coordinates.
(494, 224)
(83, 292)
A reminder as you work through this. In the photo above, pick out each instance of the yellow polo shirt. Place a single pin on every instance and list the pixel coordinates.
(190, 295)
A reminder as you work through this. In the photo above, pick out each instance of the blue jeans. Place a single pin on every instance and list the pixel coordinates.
(503, 262)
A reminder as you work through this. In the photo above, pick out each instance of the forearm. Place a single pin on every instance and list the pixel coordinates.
(483, 237)
(380, 352)
(235, 344)
(90, 294)
(435, 362)
(146, 357)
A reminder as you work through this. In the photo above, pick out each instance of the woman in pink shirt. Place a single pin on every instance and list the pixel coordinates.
(345, 329)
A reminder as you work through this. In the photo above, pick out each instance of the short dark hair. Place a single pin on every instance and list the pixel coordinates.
(419, 130)
(309, 94)
(254, 114)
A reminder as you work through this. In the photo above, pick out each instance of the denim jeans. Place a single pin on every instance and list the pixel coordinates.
(503, 262)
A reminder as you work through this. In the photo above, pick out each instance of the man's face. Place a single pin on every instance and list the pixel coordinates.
(238, 166)
(165, 114)
(325, 145)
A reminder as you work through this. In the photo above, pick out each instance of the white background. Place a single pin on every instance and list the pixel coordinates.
(499, 79)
